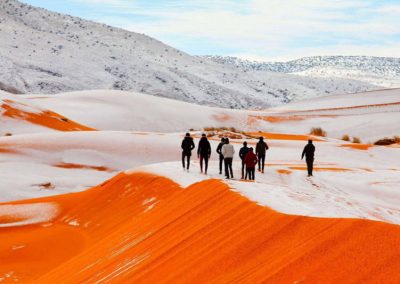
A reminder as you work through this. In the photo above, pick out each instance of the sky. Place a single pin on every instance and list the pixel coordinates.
(263, 30)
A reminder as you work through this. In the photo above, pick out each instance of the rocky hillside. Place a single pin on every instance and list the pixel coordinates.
(47, 52)
(381, 71)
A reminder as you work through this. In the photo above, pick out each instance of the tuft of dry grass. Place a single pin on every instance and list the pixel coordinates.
(318, 131)
(346, 137)
(356, 140)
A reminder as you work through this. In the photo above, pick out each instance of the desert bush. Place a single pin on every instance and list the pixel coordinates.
(356, 140)
(318, 131)
(346, 137)
(388, 141)
(210, 134)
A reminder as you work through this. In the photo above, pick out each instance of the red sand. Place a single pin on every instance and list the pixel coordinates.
(283, 136)
(363, 147)
(203, 234)
(290, 118)
(320, 169)
(47, 118)
(78, 166)
(283, 172)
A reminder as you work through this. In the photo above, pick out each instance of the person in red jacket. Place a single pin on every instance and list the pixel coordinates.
(251, 162)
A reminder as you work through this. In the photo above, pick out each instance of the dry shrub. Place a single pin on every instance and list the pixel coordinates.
(388, 141)
(210, 134)
(318, 131)
(233, 136)
(231, 129)
(346, 137)
(8, 134)
(356, 140)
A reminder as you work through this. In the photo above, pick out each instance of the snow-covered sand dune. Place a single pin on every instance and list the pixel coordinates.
(139, 224)
(353, 114)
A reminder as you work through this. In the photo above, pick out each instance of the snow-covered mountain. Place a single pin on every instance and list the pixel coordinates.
(47, 52)
(381, 71)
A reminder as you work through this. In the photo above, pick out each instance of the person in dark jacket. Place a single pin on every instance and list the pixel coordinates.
(261, 149)
(251, 161)
(187, 147)
(309, 151)
(242, 154)
(204, 152)
(221, 157)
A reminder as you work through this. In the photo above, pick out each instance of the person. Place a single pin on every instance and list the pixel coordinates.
(221, 157)
(251, 162)
(228, 151)
(187, 147)
(309, 151)
(204, 152)
(242, 154)
(261, 149)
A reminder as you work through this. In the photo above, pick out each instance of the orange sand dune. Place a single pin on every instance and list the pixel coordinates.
(357, 146)
(290, 118)
(282, 136)
(47, 118)
(338, 108)
(349, 107)
(320, 169)
(142, 228)
(283, 172)
(79, 166)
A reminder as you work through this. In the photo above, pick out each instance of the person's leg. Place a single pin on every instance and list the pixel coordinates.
(230, 166)
(188, 161)
(310, 166)
(247, 173)
(201, 162)
(221, 161)
(226, 168)
(259, 163)
(206, 164)
(243, 169)
(262, 163)
(253, 171)
(183, 160)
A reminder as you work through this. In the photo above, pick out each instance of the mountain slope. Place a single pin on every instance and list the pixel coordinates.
(46, 52)
(381, 71)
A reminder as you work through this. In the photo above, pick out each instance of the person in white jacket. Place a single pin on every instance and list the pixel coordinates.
(228, 151)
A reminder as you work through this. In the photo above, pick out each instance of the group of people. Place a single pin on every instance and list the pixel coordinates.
(226, 151)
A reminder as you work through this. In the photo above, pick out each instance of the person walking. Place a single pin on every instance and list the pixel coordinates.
(251, 162)
(187, 147)
(204, 152)
(242, 154)
(221, 157)
(261, 149)
(309, 151)
(228, 151)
